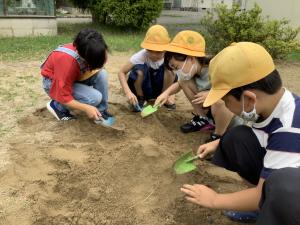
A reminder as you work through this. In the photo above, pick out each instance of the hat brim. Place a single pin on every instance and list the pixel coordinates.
(214, 95)
(184, 51)
(154, 47)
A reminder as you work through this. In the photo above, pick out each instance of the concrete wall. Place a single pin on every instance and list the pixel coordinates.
(20, 27)
(289, 9)
(200, 4)
(208, 4)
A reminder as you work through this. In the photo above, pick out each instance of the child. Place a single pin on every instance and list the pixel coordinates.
(186, 56)
(244, 76)
(148, 76)
(71, 81)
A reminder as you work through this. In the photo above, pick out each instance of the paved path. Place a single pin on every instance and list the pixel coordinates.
(167, 17)
(180, 17)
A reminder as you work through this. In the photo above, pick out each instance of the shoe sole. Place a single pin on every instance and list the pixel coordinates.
(241, 219)
(170, 107)
(52, 111)
(207, 128)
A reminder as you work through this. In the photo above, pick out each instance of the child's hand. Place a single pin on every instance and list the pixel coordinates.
(200, 194)
(92, 112)
(160, 100)
(132, 98)
(207, 148)
(200, 97)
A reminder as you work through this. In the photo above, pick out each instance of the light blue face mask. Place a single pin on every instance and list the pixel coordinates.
(182, 75)
(251, 116)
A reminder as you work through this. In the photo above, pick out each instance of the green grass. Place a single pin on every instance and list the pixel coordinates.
(120, 40)
(294, 56)
(37, 48)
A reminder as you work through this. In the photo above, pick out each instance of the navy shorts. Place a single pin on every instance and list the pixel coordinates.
(153, 81)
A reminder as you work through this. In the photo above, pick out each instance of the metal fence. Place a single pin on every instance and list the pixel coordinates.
(199, 5)
(27, 8)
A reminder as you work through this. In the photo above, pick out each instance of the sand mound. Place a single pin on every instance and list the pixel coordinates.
(77, 172)
(67, 173)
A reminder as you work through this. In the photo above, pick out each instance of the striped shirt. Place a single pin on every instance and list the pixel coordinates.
(279, 134)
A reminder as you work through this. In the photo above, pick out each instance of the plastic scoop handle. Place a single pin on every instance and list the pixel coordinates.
(193, 159)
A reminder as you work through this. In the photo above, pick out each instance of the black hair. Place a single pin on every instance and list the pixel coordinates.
(92, 47)
(269, 84)
(181, 57)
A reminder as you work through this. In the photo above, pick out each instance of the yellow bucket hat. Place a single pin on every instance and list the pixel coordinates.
(156, 39)
(189, 43)
(235, 66)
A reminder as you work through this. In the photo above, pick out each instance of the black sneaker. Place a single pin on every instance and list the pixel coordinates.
(213, 137)
(59, 115)
(170, 107)
(198, 123)
(106, 115)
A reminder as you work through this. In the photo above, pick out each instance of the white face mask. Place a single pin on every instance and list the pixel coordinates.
(251, 116)
(182, 75)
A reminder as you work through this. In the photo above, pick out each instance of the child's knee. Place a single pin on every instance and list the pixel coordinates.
(95, 99)
(139, 78)
(168, 78)
(140, 73)
(168, 74)
(236, 135)
(219, 105)
(185, 83)
(102, 75)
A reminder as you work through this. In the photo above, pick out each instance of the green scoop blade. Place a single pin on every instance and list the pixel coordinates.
(148, 110)
(185, 163)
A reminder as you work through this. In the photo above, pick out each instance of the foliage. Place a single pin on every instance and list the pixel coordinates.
(224, 26)
(136, 14)
(62, 3)
(82, 4)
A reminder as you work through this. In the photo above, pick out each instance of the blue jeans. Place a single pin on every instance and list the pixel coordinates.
(93, 91)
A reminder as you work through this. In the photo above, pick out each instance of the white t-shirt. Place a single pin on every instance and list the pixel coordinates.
(141, 57)
(202, 80)
(279, 134)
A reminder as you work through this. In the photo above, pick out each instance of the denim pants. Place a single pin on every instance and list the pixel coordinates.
(93, 91)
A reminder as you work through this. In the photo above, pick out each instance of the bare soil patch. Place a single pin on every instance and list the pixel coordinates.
(79, 173)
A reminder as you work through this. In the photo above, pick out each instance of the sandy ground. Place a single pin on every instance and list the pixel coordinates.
(59, 173)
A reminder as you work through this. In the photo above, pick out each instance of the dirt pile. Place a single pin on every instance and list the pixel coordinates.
(60, 173)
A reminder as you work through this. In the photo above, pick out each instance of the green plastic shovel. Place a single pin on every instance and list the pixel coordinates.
(148, 110)
(185, 163)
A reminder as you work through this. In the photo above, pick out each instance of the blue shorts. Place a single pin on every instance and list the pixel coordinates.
(153, 81)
